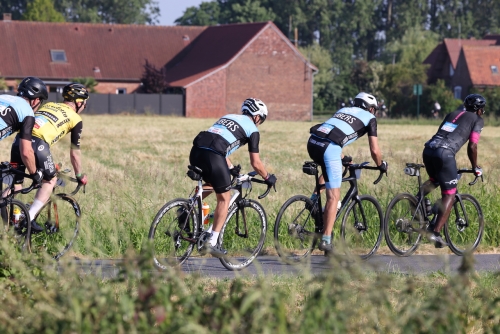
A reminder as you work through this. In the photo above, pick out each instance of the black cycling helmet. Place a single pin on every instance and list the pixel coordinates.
(75, 91)
(32, 88)
(474, 102)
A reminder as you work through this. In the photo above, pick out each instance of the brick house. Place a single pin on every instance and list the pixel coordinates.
(215, 68)
(464, 64)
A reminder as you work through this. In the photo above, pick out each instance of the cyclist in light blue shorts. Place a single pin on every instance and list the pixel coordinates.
(325, 148)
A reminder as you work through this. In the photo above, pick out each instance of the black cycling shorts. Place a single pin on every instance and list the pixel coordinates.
(214, 168)
(43, 159)
(442, 168)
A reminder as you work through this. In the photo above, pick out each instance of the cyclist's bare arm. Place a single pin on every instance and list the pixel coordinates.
(257, 164)
(375, 150)
(472, 153)
(27, 155)
(76, 160)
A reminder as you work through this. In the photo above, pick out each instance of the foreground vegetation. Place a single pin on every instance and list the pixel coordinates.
(36, 298)
(135, 164)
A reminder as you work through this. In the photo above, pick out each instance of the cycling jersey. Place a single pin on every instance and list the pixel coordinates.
(15, 115)
(54, 120)
(228, 134)
(346, 125)
(456, 128)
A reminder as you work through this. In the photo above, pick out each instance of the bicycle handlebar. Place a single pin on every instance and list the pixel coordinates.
(250, 177)
(62, 175)
(470, 171)
(363, 165)
(6, 168)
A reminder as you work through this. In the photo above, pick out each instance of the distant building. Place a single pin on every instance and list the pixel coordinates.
(465, 63)
(215, 68)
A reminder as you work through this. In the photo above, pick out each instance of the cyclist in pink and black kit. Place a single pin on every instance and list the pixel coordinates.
(456, 129)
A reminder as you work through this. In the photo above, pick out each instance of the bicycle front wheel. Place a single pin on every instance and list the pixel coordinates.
(295, 229)
(402, 219)
(15, 224)
(362, 226)
(60, 218)
(465, 227)
(243, 234)
(172, 233)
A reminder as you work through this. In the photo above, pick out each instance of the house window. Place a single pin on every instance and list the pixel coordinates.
(494, 69)
(121, 91)
(458, 92)
(451, 70)
(58, 56)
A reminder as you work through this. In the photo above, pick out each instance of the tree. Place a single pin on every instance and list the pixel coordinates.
(42, 11)
(110, 11)
(153, 79)
(88, 82)
(207, 14)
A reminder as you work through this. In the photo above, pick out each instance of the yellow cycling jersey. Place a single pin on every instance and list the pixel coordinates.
(54, 120)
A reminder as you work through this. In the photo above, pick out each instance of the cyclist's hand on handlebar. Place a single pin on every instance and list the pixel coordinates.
(270, 179)
(478, 171)
(383, 166)
(82, 179)
(235, 171)
(346, 160)
(37, 177)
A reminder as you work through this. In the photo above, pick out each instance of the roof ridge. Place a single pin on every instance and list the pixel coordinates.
(117, 25)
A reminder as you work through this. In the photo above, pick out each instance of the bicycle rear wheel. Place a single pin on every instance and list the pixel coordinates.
(295, 229)
(60, 217)
(401, 221)
(243, 234)
(465, 227)
(16, 227)
(172, 233)
(362, 227)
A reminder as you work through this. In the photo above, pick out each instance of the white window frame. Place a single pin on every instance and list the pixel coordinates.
(121, 91)
(494, 69)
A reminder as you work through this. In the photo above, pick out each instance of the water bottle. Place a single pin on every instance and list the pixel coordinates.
(16, 216)
(206, 210)
(428, 206)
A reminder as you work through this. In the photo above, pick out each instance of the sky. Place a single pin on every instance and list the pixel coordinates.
(170, 10)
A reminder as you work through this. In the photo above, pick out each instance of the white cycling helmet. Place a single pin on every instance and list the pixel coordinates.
(365, 101)
(254, 107)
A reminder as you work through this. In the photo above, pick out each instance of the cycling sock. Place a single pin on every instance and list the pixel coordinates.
(327, 238)
(35, 207)
(213, 238)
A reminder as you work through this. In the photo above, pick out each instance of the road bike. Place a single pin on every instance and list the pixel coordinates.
(14, 211)
(406, 217)
(180, 225)
(60, 219)
(299, 224)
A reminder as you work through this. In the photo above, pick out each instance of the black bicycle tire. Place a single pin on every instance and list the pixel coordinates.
(350, 208)
(227, 261)
(173, 204)
(453, 247)
(77, 211)
(388, 225)
(24, 247)
(279, 225)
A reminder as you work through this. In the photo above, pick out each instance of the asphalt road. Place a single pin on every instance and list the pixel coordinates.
(271, 265)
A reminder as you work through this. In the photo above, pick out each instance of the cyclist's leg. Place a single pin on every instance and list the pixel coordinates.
(15, 158)
(447, 178)
(44, 161)
(333, 177)
(432, 167)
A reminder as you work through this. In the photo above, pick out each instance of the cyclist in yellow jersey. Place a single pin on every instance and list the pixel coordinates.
(52, 122)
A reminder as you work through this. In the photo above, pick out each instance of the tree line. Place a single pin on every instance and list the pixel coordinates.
(376, 46)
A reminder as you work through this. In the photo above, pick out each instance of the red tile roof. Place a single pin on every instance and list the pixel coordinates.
(215, 49)
(479, 61)
(119, 51)
(454, 45)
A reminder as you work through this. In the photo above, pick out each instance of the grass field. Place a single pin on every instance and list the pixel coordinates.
(137, 163)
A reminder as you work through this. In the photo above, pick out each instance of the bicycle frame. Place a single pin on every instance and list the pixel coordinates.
(352, 193)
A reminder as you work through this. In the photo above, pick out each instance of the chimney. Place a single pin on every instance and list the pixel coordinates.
(7, 17)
